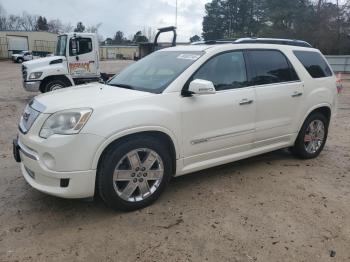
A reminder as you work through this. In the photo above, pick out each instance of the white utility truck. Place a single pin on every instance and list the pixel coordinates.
(76, 61)
(23, 56)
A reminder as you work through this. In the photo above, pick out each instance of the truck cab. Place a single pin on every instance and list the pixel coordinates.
(76, 61)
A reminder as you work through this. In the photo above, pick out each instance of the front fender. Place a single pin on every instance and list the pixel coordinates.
(132, 131)
(51, 70)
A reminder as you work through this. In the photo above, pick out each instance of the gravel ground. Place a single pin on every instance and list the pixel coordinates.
(267, 208)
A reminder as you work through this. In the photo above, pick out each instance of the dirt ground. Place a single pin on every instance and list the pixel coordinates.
(268, 208)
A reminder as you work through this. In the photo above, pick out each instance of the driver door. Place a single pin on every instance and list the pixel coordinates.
(82, 57)
(219, 125)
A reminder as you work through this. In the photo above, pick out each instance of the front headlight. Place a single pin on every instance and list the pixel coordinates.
(65, 122)
(35, 75)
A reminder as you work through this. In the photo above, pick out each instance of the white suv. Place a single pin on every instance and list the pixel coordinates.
(177, 111)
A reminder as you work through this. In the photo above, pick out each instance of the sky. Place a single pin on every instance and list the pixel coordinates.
(128, 16)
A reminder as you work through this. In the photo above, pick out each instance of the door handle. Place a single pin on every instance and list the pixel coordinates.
(297, 94)
(246, 102)
(92, 61)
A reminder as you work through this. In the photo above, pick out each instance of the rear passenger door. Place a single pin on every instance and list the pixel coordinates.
(279, 94)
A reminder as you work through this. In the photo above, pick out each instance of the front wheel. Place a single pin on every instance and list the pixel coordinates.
(54, 85)
(312, 137)
(133, 173)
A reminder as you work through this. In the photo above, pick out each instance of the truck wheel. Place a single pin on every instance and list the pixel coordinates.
(133, 173)
(54, 85)
(19, 60)
(312, 137)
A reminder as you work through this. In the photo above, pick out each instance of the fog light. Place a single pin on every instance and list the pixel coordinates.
(64, 182)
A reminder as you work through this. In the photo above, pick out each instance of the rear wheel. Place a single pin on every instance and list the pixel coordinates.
(133, 173)
(312, 137)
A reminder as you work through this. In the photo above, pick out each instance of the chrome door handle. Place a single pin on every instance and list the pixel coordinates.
(246, 102)
(297, 94)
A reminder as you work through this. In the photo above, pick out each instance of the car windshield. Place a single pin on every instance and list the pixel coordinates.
(156, 71)
(61, 45)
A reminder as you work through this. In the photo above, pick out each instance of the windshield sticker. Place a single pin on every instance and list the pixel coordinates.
(188, 56)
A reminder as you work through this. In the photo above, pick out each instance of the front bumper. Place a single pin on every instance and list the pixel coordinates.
(32, 86)
(61, 184)
(56, 181)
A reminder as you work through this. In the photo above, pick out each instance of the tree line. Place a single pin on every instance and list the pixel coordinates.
(324, 24)
(30, 22)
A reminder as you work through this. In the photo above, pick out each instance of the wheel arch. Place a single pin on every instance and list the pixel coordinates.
(47, 79)
(162, 135)
(325, 109)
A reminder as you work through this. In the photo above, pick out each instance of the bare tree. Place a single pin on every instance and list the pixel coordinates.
(3, 18)
(93, 28)
(28, 22)
(66, 28)
(149, 32)
(14, 22)
(55, 26)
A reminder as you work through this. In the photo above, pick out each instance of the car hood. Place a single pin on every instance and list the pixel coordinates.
(85, 96)
(42, 61)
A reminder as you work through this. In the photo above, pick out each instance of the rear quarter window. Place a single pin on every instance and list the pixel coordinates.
(270, 67)
(314, 63)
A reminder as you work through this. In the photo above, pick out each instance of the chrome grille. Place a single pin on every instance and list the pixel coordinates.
(28, 118)
(24, 72)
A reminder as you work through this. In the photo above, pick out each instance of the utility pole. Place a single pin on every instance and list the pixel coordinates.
(176, 15)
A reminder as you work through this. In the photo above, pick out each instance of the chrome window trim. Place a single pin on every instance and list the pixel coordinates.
(279, 83)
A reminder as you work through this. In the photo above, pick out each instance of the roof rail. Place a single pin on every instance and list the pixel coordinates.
(276, 41)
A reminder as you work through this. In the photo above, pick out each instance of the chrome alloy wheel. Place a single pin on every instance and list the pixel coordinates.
(138, 175)
(314, 136)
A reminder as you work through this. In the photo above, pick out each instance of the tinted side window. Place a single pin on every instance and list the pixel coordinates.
(226, 71)
(271, 66)
(81, 45)
(314, 63)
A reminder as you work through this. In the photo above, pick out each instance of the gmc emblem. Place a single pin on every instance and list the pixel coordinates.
(26, 116)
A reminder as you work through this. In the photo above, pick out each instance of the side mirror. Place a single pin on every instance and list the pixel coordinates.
(201, 87)
(73, 46)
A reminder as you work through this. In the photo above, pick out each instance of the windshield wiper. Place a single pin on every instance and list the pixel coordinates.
(122, 86)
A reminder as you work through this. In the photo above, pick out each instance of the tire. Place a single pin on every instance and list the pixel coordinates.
(303, 147)
(54, 85)
(140, 188)
(19, 60)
